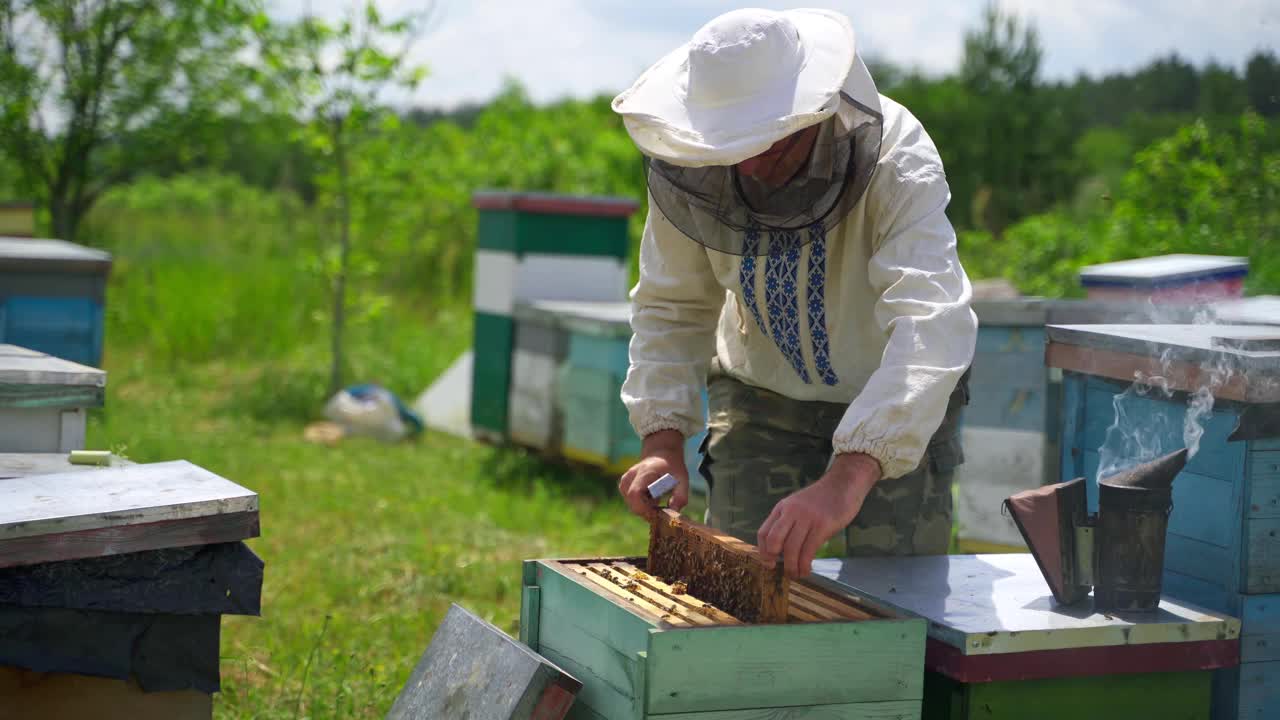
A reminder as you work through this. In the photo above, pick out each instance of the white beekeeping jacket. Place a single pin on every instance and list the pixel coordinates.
(874, 313)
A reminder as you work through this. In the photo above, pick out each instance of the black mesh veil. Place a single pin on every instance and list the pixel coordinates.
(719, 208)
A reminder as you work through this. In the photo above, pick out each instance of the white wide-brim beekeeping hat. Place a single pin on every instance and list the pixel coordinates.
(744, 81)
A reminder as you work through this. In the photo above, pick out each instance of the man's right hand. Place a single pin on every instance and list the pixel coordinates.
(661, 453)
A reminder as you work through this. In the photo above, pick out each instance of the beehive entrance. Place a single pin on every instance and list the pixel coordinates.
(667, 604)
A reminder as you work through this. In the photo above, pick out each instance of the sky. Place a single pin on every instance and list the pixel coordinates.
(580, 48)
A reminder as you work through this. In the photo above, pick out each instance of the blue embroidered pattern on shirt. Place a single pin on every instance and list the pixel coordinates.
(817, 303)
(747, 273)
(782, 298)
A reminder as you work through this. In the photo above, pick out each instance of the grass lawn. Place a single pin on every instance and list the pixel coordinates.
(365, 544)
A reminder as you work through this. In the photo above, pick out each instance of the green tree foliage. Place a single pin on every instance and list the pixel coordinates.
(92, 92)
(334, 75)
(1201, 190)
(1262, 83)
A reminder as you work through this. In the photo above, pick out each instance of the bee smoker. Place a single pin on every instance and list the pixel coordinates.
(1119, 552)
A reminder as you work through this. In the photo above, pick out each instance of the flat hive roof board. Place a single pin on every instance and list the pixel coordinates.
(14, 465)
(1163, 269)
(1188, 356)
(20, 366)
(41, 255)
(596, 318)
(1263, 310)
(994, 604)
(67, 516)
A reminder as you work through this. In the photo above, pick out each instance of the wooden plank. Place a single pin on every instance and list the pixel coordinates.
(562, 633)
(717, 568)
(219, 579)
(797, 613)
(1259, 694)
(830, 603)
(530, 611)
(602, 699)
(891, 710)
(1167, 696)
(782, 665)
(1201, 560)
(1205, 509)
(114, 497)
(472, 669)
(1261, 561)
(1073, 413)
(803, 609)
(1187, 377)
(120, 539)
(694, 611)
(1264, 484)
(1082, 662)
(564, 591)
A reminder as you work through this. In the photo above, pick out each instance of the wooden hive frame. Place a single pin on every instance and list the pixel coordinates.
(665, 605)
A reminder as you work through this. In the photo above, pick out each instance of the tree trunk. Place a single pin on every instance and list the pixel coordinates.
(340, 282)
(64, 219)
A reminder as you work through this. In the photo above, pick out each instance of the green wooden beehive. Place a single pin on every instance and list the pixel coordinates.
(635, 662)
(529, 247)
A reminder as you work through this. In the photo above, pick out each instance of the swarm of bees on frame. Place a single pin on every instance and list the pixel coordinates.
(720, 581)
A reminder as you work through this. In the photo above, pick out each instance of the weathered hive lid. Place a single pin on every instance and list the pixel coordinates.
(472, 669)
(1238, 362)
(1047, 518)
(1164, 270)
(607, 319)
(109, 511)
(34, 379)
(1261, 310)
(548, 203)
(51, 256)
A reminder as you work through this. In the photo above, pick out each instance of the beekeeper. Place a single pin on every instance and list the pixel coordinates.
(796, 261)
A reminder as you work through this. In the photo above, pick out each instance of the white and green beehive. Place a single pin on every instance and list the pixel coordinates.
(534, 246)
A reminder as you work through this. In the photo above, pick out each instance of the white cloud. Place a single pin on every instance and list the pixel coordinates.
(583, 47)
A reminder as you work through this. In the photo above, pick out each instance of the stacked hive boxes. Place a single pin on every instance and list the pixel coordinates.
(1011, 423)
(569, 363)
(1222, 542)
(52, 295)
(536, 247)
(113, 580)
(43, 401)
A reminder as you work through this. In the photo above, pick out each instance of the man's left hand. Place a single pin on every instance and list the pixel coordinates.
(807, 518)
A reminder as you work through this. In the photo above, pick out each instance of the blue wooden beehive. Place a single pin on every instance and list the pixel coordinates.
(1223, 548)
(52, 297)
(1010, 427)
